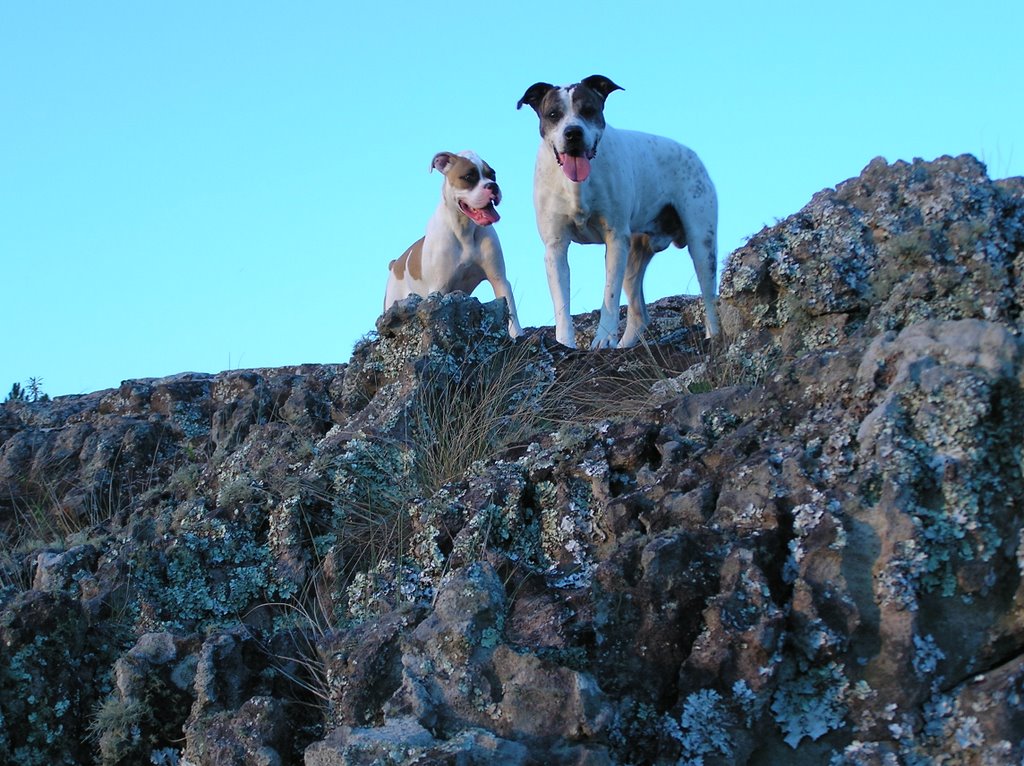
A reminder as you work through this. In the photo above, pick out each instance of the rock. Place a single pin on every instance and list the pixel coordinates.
(405, 741)
(256, 734)
(802, 543)
(58, 570)
(899, 244)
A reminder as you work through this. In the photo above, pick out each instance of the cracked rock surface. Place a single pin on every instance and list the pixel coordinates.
(802, 544)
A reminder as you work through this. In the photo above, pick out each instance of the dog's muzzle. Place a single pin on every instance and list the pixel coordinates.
(484, 216)
(575, 159)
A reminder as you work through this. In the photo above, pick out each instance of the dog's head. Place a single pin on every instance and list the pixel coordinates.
(571, 120)
(471, 184)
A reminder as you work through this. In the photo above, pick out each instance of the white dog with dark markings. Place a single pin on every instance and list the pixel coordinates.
(636, 193)
(460, 249)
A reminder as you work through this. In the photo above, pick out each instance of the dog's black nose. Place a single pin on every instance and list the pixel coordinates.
(573, 134)
(491, 187)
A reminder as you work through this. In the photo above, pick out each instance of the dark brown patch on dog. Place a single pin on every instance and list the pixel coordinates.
(588, 104)
(411, 259)
(585, 100)
(547, 101)
(462, 173)
(534, 95)
(552, 110)
(600, 85)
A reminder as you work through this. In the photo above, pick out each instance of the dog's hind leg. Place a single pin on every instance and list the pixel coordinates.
(637, 318)
(702, 242)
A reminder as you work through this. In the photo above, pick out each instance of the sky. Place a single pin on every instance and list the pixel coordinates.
(205, 186)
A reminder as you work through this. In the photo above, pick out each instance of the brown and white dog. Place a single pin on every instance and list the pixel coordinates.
(636, 193)
(460, 249)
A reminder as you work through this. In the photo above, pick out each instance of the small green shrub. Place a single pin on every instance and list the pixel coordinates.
(32, 393)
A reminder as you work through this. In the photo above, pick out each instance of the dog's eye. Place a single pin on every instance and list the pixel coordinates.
(470, 178)
(554, 115)
(587, 112)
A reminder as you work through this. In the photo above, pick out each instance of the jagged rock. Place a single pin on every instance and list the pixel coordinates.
(57, 570)
(49, 659)
(368, 657)
(801, 544)
(404, 740)
(147, 707)
(255, 735)
(899, 244)
(458, 674)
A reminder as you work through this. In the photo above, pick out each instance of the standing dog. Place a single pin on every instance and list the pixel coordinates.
(460, 249)
(634, 192)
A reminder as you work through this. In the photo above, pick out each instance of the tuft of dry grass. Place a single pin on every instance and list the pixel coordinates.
(296, 654)
(619, 383)
(480, 412)
(115, 726)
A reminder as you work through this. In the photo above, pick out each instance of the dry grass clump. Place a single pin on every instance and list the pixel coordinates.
(483, 410)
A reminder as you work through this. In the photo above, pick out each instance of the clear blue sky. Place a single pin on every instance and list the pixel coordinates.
(196, 186)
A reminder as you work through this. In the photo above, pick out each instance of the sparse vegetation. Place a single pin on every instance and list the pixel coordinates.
(479, 412)
(116, 726)
(49, 509)
(32, 392)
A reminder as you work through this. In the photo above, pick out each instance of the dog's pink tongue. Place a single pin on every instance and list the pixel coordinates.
(576, 169)
(484, 216)
(490, 215)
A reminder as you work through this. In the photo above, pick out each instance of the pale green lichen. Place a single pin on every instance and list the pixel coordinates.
(927, 656)
(717, 422)
(703, 728)
(953, 733)
(213, 570)
(810, 700)
(950, 455)
(43, 706)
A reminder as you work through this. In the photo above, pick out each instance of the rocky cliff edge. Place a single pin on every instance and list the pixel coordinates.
(802, 544)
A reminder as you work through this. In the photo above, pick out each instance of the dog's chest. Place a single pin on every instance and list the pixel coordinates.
(453, 254)
(571, 210)
(587, 229)
(585, 215)
(465, 276)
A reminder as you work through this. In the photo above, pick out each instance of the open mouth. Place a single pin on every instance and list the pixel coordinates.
(576, 168)
(481, 216)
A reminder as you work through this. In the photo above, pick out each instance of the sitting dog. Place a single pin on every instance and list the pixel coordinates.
(460, 249)
(633, 192)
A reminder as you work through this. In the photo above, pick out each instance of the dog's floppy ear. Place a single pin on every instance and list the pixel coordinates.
(601, 84)
(441, 161)
(534, 95)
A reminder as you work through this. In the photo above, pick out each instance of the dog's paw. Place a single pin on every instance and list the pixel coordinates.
(608, 341)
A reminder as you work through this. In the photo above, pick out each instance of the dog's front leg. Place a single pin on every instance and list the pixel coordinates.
(502, 289)
(556, 263)
(616, 255)
(493, 264)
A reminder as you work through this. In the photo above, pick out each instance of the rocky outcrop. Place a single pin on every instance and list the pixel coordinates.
(803, 544)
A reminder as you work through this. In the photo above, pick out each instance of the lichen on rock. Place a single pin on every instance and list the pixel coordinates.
(802, 543)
